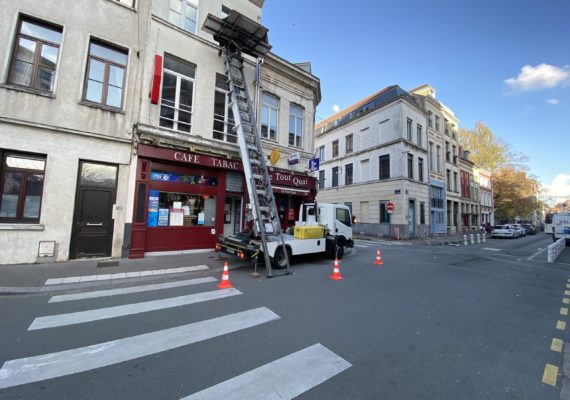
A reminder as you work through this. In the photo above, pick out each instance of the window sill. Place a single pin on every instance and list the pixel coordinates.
(21, 227)
(101, 107)
(29, 90)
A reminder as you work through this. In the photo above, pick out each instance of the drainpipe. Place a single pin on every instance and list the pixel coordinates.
(258, 65)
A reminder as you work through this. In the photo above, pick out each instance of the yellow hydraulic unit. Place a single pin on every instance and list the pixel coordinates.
(308, 232)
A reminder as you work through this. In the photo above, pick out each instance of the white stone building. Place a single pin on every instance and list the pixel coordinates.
(69, 80)
(374, 153)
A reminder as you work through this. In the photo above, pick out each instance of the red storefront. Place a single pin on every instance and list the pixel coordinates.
(184, 201)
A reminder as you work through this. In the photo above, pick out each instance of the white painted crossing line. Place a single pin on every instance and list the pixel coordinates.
(79, 317)
(359, 245)
(491, 249)
(124, 275)
(129, 290)
(285, 378)
(53, 365)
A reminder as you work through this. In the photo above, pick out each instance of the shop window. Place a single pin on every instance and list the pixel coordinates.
(223, 114)
(36, 51)
(105, 79)
(22, 181)
(181, 209)
(177, 94)
(296, 119)
(269, 116)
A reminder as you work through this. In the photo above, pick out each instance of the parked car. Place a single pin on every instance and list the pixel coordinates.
(520, 229)
(530, 229)
(504, 231)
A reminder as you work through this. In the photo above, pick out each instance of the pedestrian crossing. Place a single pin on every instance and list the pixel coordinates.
(361, 243)
(298, 372)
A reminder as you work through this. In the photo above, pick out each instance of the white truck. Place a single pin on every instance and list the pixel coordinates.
(321, 228)
(561, 227)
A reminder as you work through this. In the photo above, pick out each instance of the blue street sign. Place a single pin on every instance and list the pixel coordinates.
(314, 164)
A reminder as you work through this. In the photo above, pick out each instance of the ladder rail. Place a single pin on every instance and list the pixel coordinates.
(261, 171)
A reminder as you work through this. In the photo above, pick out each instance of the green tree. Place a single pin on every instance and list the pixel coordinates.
(489, 151)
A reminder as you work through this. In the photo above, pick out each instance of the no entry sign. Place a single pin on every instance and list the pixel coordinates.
(390, 207)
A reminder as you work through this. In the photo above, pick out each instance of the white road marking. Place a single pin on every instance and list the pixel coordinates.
(537, 253)
(285, 378)
(129, 290)
(53, 365)
(79, 317)
(491, 249)
(123, 275)
(359, 245)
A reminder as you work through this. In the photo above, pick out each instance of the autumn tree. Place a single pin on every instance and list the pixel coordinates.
(489, 151)
(515, 191)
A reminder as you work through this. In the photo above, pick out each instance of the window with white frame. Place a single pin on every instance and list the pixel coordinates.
(296, 121)
(36, 51)
(321, 179)
(223, 114)
(430, 119)
(430, 156)
(269, 116)
(409, 129)
(177, 94)
(184, 14)
(438, 158)
(322, 154)
(437, 123)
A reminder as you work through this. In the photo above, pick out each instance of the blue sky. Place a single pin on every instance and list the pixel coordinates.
(503, 62)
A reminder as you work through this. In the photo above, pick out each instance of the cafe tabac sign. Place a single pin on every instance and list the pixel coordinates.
(183, 157)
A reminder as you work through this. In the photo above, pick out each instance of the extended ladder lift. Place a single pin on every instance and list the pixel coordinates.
(238, 34)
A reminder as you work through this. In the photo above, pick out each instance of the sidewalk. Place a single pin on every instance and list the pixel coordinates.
(31, 278)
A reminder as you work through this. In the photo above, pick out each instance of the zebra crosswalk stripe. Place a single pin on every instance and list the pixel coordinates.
(53, 365)
(52, 321)
(297, 373)
(129, 290)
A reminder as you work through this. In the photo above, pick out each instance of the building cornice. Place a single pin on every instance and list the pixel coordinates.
(61, 129)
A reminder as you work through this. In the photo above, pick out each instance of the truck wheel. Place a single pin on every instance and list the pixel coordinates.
(279, 260)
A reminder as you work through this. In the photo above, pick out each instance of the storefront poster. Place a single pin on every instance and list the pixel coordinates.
(152, 216)
(176, 217)
(163, 217)
(201, 217)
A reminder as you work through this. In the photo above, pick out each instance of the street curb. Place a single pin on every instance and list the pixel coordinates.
(47, 289)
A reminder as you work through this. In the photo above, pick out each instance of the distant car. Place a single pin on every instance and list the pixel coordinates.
(530, 229)
(520, 229)
(504, 231)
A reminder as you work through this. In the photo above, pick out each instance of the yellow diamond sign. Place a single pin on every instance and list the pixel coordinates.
(275, 156)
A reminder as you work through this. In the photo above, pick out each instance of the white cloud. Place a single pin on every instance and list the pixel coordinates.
(552, 102)
(559, 188)
(336, 108)
(542, 76)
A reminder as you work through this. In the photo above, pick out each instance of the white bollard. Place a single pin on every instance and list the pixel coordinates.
(465, 240)
(472, 238)
(478, 238)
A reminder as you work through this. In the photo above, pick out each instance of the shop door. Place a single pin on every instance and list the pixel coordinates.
(92, 232)
(232, 215)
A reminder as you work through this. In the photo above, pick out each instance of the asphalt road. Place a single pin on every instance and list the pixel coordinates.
(469, 322)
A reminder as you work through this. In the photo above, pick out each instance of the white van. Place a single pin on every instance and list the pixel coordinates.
(561, 227)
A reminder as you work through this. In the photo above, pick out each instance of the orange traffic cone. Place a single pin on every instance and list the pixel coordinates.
(378, 258)
(336, 276)
(225, 282)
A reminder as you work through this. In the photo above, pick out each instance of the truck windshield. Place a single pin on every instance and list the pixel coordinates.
(343, 215)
